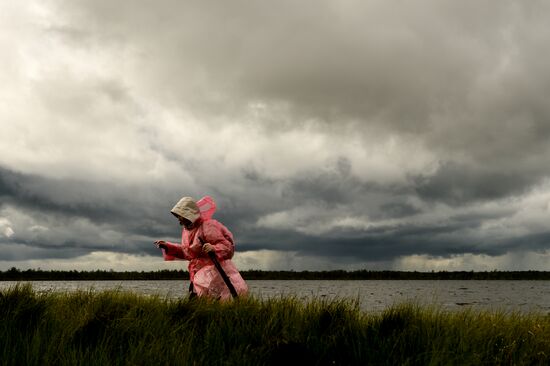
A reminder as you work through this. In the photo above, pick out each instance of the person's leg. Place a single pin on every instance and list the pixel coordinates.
(192, 293)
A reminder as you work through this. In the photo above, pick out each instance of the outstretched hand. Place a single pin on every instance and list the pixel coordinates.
(160, 244)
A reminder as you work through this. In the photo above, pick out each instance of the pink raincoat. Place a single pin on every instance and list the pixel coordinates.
(203, 274)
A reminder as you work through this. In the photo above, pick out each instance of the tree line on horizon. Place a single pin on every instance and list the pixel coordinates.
(15, 274)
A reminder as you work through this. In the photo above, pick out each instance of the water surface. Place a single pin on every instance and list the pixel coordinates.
(376, 295)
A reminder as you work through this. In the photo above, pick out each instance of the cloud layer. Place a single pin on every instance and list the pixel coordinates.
(342, 134)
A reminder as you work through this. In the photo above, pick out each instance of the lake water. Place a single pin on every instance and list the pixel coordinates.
(524, 296)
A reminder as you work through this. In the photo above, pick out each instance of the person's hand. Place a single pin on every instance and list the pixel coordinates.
(207, 248)
(160, 244)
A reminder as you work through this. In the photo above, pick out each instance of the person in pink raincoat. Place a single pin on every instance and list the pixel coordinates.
(200, 235)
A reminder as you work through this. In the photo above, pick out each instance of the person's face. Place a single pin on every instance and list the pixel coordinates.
(185, 223)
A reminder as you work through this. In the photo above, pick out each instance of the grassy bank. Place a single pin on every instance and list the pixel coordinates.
(128, 329)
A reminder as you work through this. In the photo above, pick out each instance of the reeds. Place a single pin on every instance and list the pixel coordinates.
(119, 328)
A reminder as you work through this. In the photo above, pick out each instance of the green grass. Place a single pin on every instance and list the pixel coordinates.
(119, 328)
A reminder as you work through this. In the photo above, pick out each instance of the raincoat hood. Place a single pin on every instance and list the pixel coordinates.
(187, 208)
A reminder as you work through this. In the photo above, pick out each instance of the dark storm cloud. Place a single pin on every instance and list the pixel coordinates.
(537, 242)
(468, 79)
(99, 202)
(386, 243)
(130, 211)
(458, 184)
(360, 130)
(337, 186)
(397, 210)
(330, 190)
(356, 58)
(42, 194)
(18, 252)
(378, 245)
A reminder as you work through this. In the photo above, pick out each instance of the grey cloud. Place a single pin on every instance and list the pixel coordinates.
(536, 242)
(19, 251)
(397, 210)
(130, 82)
(458, 76)
(368, 246)
(70, 197)
(332, 185)
(335, 185)
(460, 184)
(339, 194)
(137, 214)
(386, 244)
(130, 211)
(358, 58)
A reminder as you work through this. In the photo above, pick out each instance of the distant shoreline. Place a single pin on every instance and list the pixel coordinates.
(15, 274)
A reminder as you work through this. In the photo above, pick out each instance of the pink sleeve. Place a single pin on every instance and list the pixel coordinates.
(181, 251)
(220, 237)
(172, 252)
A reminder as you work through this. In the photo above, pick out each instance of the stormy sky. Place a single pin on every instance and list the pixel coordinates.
(332, 134)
